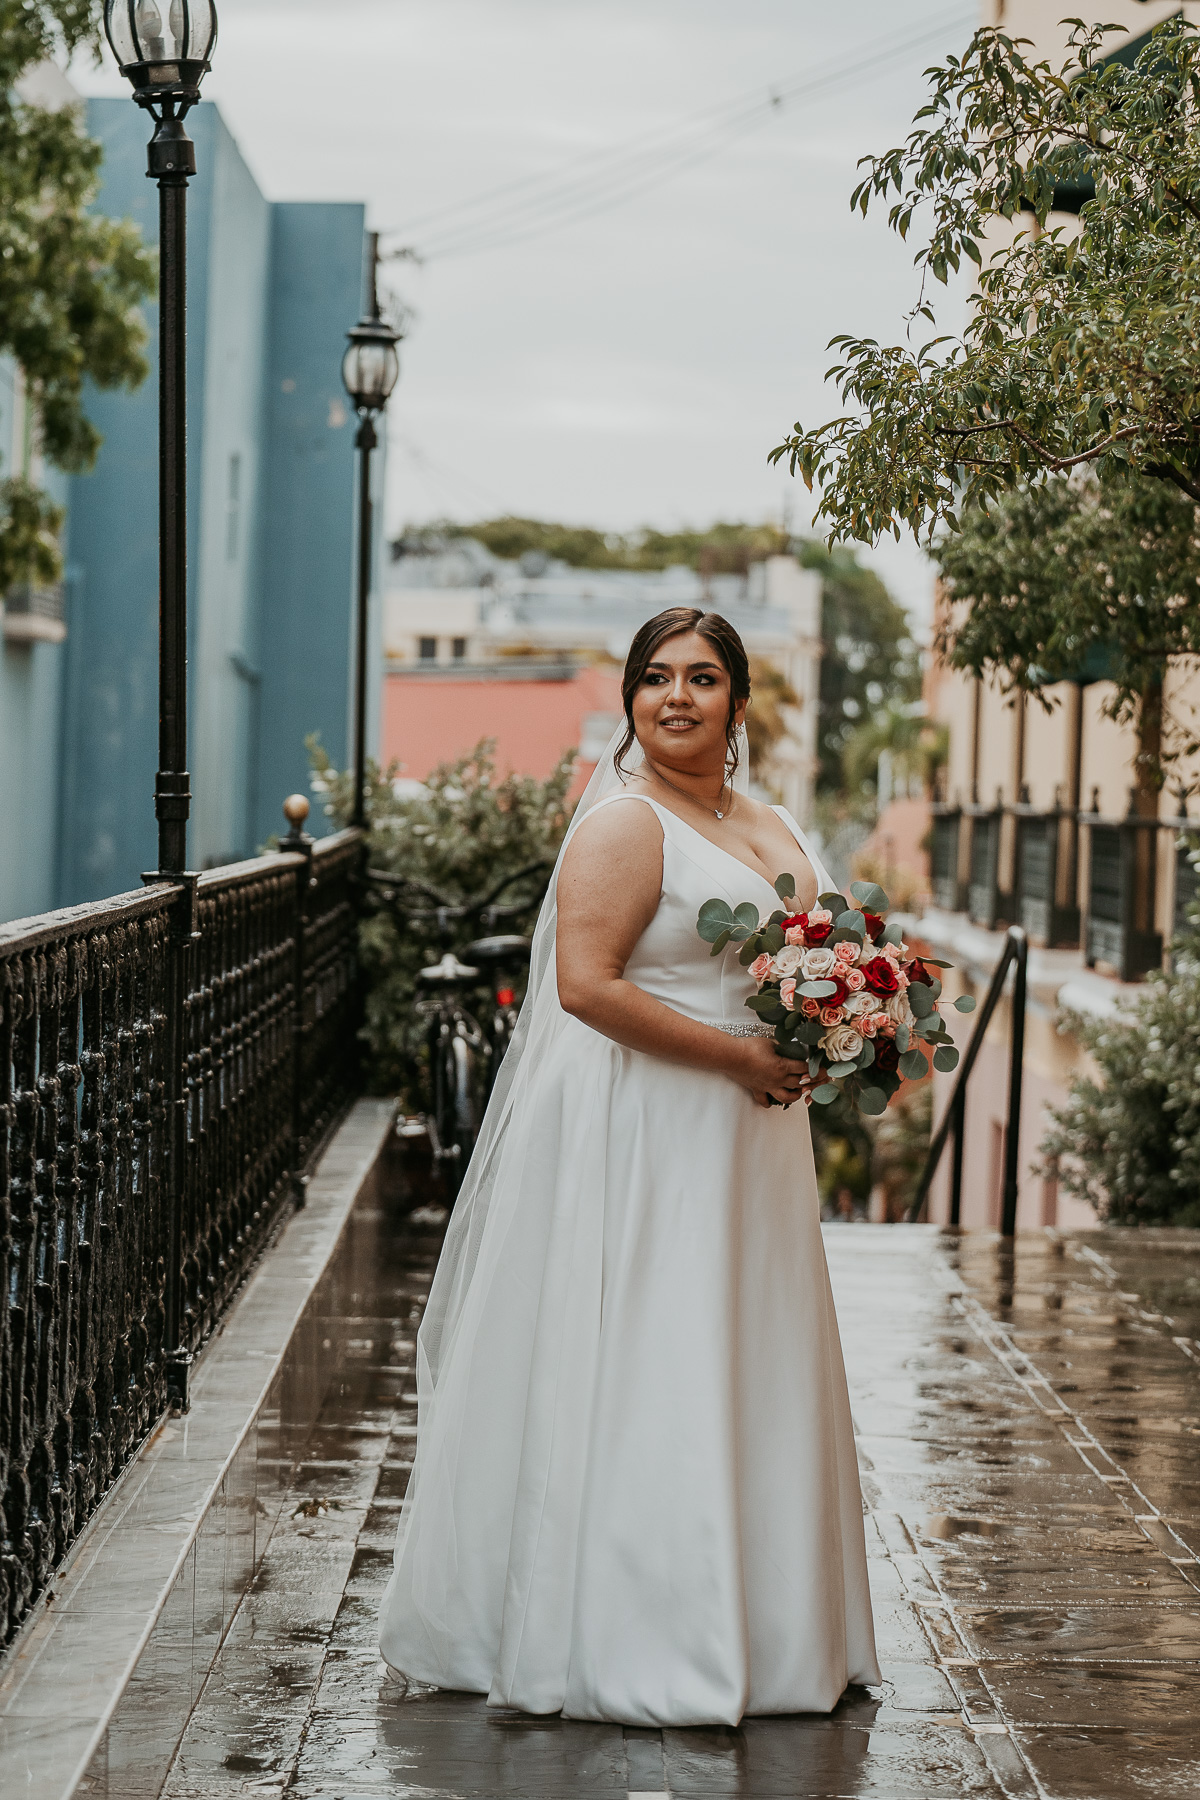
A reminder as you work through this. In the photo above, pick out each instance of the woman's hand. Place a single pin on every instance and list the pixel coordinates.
(759, 1067)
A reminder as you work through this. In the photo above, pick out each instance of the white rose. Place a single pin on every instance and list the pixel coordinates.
(862, 1002)
(818, 965)
(896, 1007)
(787, 961)
(842, 1043)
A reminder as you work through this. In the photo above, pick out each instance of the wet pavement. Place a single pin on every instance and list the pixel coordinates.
(1029, 1431)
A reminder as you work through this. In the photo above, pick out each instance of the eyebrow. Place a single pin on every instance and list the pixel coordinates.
(690, 667)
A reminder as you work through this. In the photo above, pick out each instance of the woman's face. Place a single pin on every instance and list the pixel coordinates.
(682, 703)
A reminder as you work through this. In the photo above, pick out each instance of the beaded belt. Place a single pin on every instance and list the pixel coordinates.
(744, 1028)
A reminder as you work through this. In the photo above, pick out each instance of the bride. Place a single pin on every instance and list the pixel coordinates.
(635, 1495)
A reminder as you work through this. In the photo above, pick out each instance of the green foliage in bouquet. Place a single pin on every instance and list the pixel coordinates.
(1129, 1141)
(719, 924)
(462, 834)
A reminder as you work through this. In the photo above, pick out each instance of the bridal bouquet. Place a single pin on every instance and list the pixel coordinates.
(842, 989)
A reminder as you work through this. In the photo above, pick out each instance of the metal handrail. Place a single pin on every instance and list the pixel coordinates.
(1016, 950)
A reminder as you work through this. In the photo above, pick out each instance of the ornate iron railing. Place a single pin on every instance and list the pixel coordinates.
(170, 1064)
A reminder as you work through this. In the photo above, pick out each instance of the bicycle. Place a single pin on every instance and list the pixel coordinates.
(463, 1055)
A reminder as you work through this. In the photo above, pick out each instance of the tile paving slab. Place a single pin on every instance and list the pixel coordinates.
(1029, 1424)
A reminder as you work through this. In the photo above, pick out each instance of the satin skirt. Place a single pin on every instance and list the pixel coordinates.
(636, 1495)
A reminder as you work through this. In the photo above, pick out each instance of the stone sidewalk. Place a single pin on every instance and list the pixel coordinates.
(1028, 1435)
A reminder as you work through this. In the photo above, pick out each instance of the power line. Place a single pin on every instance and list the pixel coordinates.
(603, 179)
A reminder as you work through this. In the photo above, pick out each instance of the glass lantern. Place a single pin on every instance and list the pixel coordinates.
(371, 367)
(163, 47)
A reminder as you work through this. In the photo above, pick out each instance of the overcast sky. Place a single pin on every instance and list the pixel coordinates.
(636, 365)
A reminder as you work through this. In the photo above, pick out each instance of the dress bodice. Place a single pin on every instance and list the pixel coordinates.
(670, 960)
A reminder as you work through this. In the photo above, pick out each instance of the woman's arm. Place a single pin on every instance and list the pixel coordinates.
(608, 892)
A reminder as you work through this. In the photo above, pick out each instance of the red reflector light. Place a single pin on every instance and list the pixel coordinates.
(505, 996)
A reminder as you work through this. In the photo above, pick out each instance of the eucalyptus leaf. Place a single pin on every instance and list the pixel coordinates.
(891, 934)
(870, 896)
(852, 921)
(866, 1055)
(903, 1038)
(809, 1031)
(913, 1066)
(840, 1071)
(834, 903)
(816, 990)
(748, 951)
(720, 943)
(965, 1003)
(931, 962)
(931, 1027)
(824, 1094)
(945, 1058)
(872, 1101)
(747, 914)
(772, 939)
(717, 909)
(920, 999)
(764, 1004)
(785, 886)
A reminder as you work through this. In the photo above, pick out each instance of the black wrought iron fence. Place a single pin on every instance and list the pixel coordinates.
(170, 1063)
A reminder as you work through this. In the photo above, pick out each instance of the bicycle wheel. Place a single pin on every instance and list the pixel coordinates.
(457, 1122)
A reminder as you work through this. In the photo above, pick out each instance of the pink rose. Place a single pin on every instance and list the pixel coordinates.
(846, 952)
(902, 978)
(787, 991)
(810, 1008)
(760, 968)
(884, 1025)
(854, 979)
(831, 1015)
(865, 1022)
(820, 915)
(795, 935)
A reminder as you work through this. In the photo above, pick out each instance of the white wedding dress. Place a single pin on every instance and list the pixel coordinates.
(636, 1495)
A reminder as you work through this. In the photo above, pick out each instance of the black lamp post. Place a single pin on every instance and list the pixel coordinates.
(163, 48)
(370, 369)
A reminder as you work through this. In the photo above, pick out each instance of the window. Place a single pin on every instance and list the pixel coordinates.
(459, 649)
(428, 649)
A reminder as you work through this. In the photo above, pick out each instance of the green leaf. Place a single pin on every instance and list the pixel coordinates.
(748, 951)
(808, 1031)
(891, 934)
(824, 1094)
(920, 999)
(945, 1058)
(932, 1027)
(903, 1038)
(840, 1071)
(772, 939)
(747, 914)
(870, 896)
(852, 921)
(834, 903)
(866, 1055)
(913, 1066)
(720, 943)
(717, 909)
(816, 990)
(965, 1003)
(785, 886)
(765, 1003)
(872, 1101)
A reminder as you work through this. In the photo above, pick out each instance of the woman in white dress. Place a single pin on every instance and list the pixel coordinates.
(635, 1495)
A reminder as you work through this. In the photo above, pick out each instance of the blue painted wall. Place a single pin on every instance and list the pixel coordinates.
(271, 292)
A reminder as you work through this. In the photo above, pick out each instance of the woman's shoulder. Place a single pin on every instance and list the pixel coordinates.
(615, 837)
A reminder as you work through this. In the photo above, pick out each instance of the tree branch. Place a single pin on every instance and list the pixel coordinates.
(1168, 472)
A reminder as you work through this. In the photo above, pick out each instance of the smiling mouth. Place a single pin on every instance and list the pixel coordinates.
(678, 723)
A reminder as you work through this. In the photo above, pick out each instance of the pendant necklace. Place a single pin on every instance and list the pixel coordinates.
(718, 812)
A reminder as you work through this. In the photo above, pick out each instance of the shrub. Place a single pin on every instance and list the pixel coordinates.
(1129, 1142)
(461, 831)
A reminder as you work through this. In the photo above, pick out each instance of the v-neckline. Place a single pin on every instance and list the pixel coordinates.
(730, 857)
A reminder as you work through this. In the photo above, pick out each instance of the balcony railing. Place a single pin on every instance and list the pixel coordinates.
(170, 1064)
(1044, 876)
(1118, 926)
(34, 614)
(985, 903)
(943, 856)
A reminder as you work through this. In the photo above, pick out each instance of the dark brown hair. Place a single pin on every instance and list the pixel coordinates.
(715, 631)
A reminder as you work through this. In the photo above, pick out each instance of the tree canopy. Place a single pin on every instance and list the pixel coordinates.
(70, 282)
(1080, 346)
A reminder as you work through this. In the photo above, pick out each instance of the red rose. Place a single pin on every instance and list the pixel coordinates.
(880, 976)
(916, 971)
(875, 926)
(840, 994)
(816, 934)
(800, 919)
(887, 1057)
